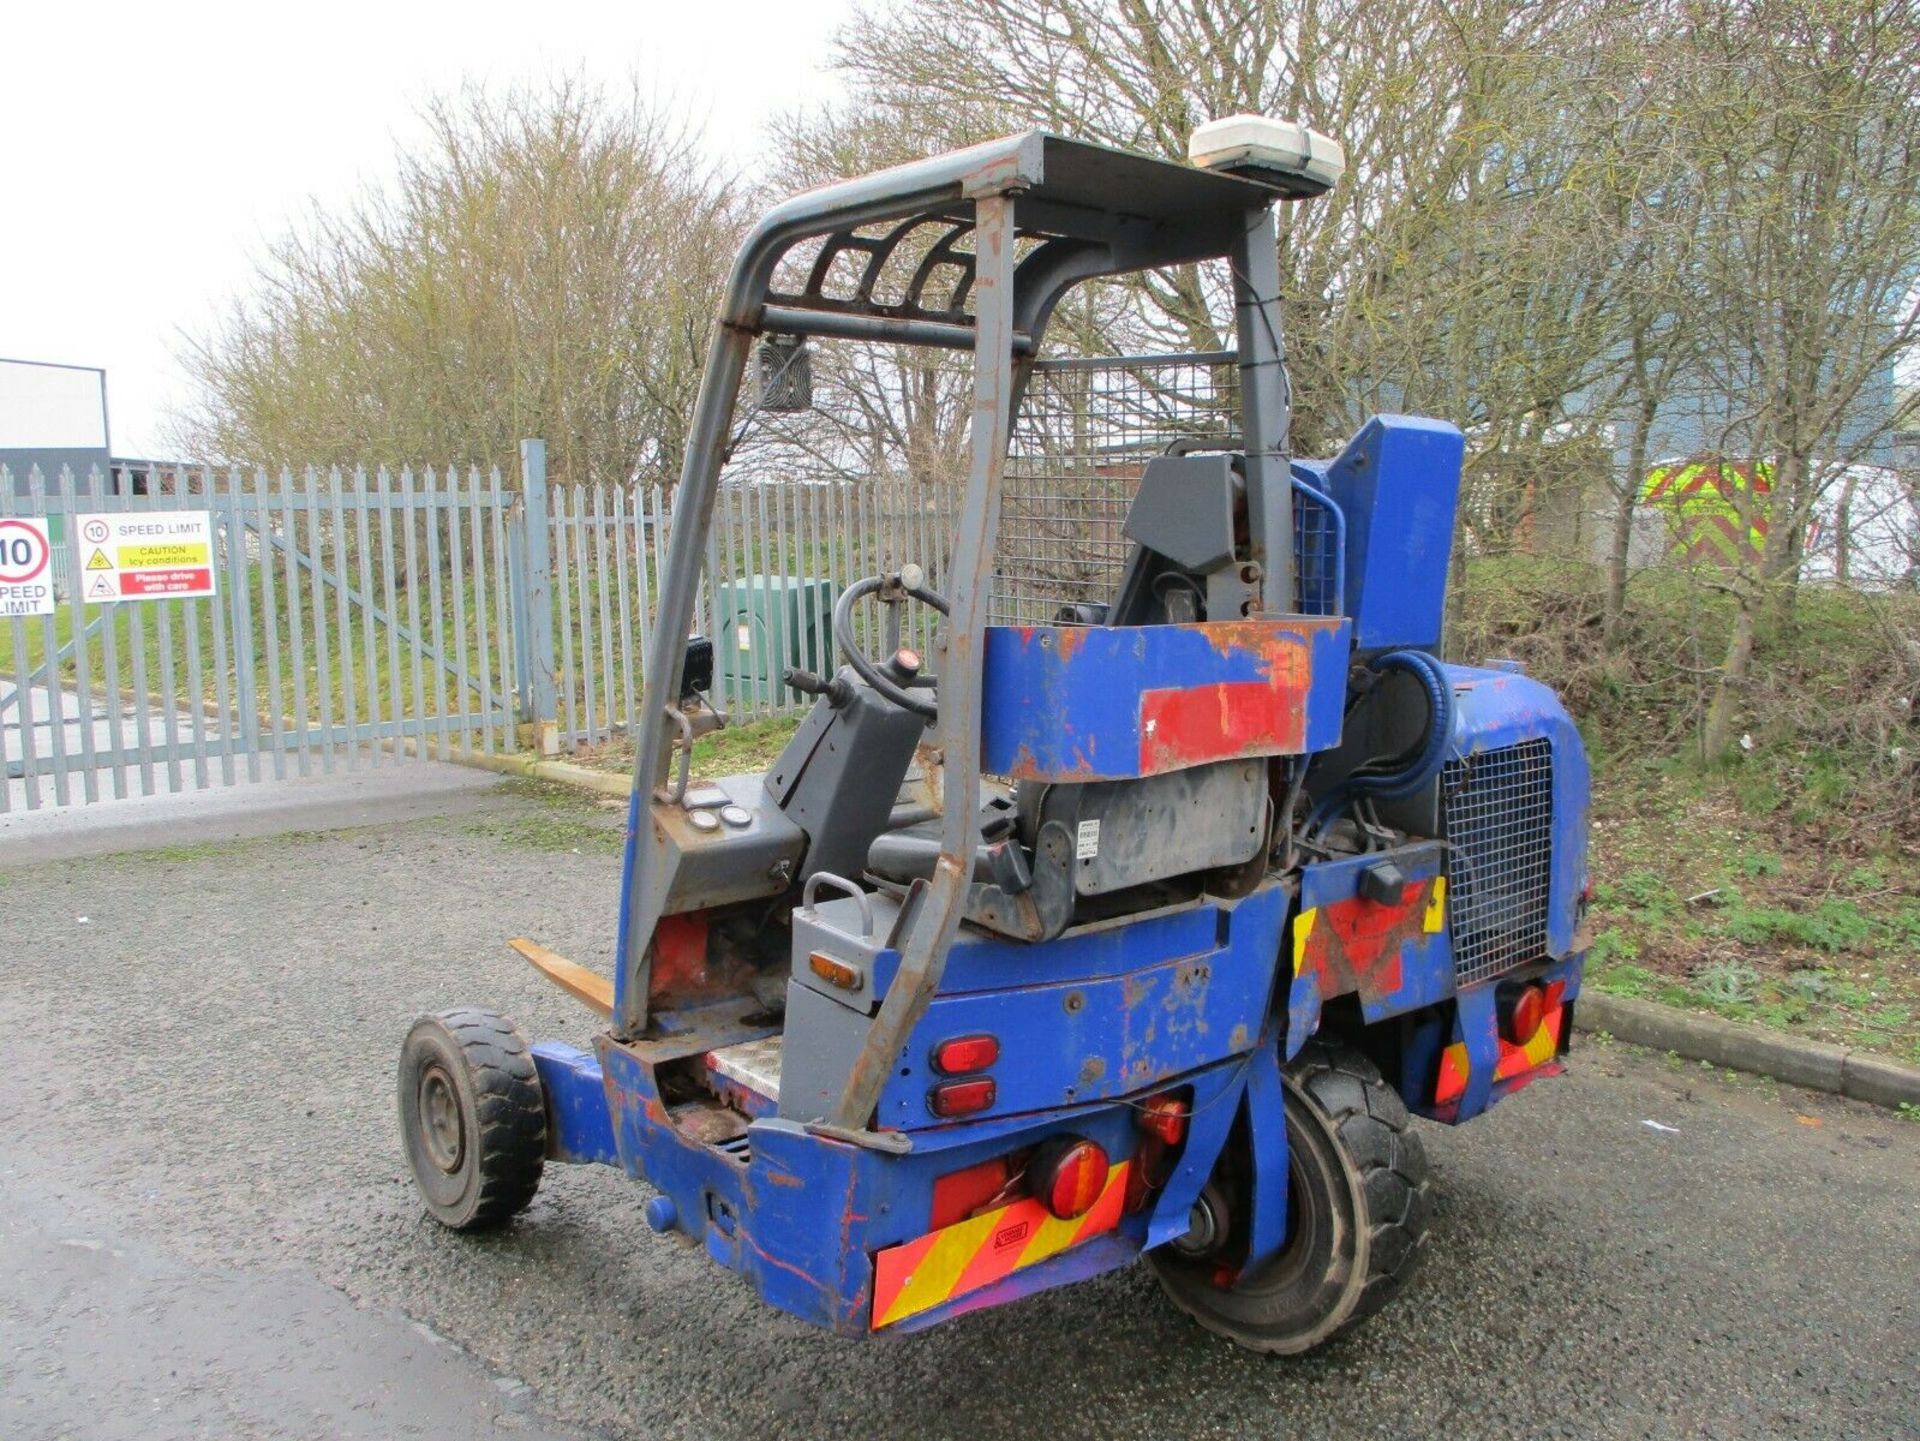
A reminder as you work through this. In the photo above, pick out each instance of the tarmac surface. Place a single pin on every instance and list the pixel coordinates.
(207, 1227)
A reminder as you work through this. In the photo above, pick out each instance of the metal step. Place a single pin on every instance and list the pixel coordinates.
(753, 1064)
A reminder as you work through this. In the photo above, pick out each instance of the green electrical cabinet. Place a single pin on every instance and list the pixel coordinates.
(767, 623)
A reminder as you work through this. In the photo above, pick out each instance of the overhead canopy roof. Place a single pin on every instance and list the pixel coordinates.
(896, 245)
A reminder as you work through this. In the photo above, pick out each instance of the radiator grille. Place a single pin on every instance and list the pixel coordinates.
(1499, 815)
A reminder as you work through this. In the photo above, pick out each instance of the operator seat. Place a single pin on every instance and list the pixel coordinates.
(908, 853)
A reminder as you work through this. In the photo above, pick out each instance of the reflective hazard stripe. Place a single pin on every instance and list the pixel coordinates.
(1540, 1048)
(980, 1250)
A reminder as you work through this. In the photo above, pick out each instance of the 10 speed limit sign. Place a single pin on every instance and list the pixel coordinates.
(26, 568)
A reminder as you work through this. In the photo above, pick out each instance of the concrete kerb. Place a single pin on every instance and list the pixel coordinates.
(1859, 1075)
(515, 763)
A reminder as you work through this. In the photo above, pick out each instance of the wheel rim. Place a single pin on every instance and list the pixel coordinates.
(441, 1127)
(1207, 1226)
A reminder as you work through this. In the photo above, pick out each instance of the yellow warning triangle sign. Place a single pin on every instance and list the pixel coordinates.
(98, 560)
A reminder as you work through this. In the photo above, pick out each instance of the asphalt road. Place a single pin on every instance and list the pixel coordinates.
(207, 1228)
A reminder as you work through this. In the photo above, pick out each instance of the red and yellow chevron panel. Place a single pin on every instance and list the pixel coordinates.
(941, 1265)
(1537, 1050)
(1718, 508)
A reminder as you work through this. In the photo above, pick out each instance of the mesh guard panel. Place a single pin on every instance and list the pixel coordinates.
(1084, 435)
(1499, 819)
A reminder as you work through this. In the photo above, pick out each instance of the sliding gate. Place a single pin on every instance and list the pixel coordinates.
(357, 618)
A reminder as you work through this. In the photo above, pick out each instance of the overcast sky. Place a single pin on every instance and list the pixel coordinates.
(152, 150)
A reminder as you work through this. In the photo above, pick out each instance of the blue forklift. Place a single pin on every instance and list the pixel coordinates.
(1145, 931)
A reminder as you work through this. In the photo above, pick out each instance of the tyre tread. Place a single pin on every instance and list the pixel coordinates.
(510, 1149)
(1326, 1070)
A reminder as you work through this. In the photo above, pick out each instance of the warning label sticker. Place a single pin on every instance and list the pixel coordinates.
(26, 572)
(1086, 841)
(148, 555)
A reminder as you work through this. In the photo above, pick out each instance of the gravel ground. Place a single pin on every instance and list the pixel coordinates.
(199, 1077)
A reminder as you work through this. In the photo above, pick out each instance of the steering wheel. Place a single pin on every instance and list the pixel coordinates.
(892, 679)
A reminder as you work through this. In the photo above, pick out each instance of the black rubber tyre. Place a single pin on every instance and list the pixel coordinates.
(1358, 1210)
(471, 1117)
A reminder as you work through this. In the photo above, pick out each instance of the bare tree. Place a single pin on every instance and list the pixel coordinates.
(1452, 270)
(1645, 205)
(548, 263)
(1805, 122)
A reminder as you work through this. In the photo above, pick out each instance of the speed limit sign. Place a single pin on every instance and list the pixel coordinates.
(26, 568)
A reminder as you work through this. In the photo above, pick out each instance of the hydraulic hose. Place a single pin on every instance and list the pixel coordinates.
(1423, 768)
(1393, 785)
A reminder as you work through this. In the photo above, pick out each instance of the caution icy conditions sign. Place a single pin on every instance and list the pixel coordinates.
(26, 568)
(145, 555)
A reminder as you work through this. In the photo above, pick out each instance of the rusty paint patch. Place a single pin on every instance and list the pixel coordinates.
(709, 1125)
(1268, 638)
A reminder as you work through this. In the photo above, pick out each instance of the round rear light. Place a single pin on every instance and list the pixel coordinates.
(1529, 1010)
(1068, 1174)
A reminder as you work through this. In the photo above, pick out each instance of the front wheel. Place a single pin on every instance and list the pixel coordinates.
(1357, 1211)
(471, 1117)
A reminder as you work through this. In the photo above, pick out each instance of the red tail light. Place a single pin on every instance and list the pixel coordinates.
(1164, 1117)
(961, 1098)
(1068, 1174)
(965, 1053)
(1528, 1011)
(958, 1194)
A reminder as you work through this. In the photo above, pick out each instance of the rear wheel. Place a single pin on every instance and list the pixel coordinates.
(1357, 1211)
(472, 1117)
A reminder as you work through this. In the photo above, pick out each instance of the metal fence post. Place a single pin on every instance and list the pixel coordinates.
(537, 567)
(516, 571)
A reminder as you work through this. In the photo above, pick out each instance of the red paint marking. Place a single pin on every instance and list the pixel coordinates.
(680, 952)
(958, 1194)
(1365, 927)
(1356, 943)
(1220, 722)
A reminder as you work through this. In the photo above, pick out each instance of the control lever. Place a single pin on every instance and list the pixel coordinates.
(837, 691)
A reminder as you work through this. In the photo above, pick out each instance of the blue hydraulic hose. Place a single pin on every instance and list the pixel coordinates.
(1411, 777)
